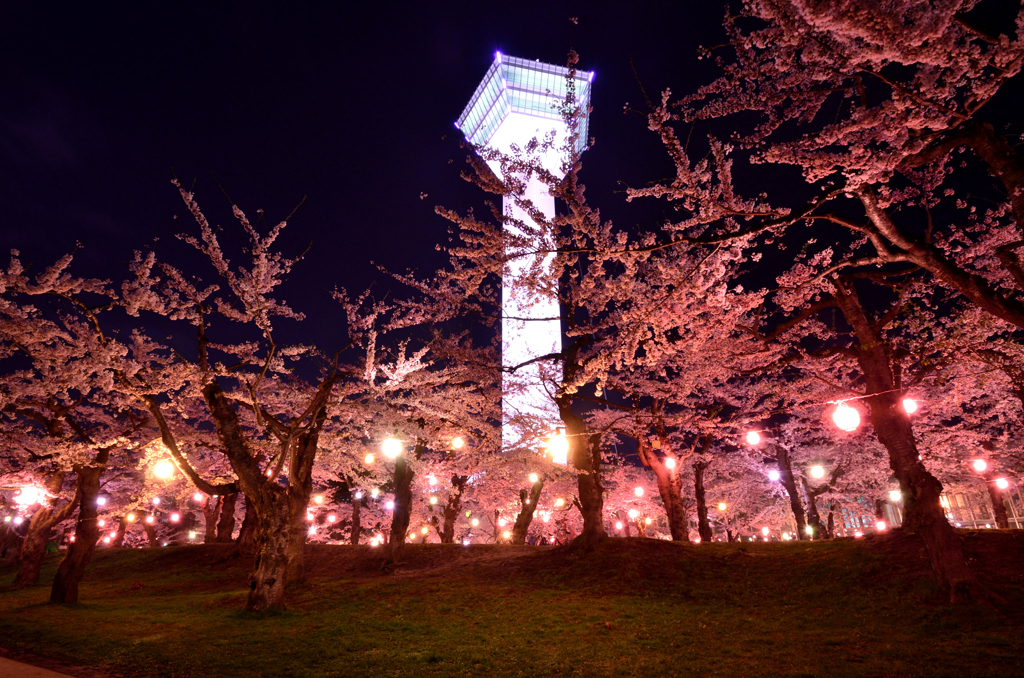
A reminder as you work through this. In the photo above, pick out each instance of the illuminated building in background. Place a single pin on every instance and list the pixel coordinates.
(517, 101)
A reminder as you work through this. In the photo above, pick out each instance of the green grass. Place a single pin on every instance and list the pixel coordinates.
(633, 608)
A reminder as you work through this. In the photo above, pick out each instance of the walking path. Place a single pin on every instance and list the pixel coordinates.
(12, 669)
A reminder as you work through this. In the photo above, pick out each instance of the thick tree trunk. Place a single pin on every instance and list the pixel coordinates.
(922, 512)
(703, 526)
(528, 502)
(998, 506)
(270, 571)
(211, 512)
(247, 533)
(40, 528)
(453, 508)
(670, 486)
(788, 482)
(226, 524)
(356, 525)
(33, 551)
(813, 517)
(400, 516)
(150, 531)
(585, 453)
(298, 505)
(831, 519)
(122, 530)
(87, 533)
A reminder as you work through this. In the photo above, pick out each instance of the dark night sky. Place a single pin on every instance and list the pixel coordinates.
(350, 105)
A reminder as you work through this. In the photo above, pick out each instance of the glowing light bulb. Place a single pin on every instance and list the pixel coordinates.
(7, 519)
(765, 531)
(465, 542)
(753, 438)
(390, 505)
(633, 513)
(113, 535)
(534, 477)
(163, 469)
(506, 534)
(101, 501)
(175, 517)
(332, 518)
(424, 530)
(150, 519)
(318, 499)
(475, 522)
(858, 534)
(191, 535)
(1002, 483)
(817, 472)
(980, 465)
(721, 506)
(880, 526)
(156, 501)
(558, 445)
(618, 525)
(312, 530)
(29, 495)
(809, 530)
(670, 463)
(559, 502)
(638, 491)
(845, 417)
(909, 405)
(101, 522)
(197, 497)
(359, 495)
(774, 476)
(433, 500)
(501, 522)
(18, 520)
(458, 443)
(309, 516)
(391, 448)
(895, 495)
(374, 492)
(431, 479)
(106, 540)
(545, 518)
(368, 459)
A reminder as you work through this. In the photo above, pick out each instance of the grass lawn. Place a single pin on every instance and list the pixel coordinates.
(633, 608)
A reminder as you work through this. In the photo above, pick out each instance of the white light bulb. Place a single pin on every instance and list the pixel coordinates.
(817, 472)
(638, 491)
(910, 406)
(774, 476)
(895, 495)
(391, 448)
(845, 417)
(753, 438)
(670, 463)
(979, 465)
(534, 477)
(1002, 483)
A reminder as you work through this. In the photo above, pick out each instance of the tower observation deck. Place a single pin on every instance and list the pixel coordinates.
(519, 100)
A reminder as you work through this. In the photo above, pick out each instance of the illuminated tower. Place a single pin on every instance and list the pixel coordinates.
(517, 101)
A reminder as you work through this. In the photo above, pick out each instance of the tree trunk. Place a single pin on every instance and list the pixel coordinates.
(356, 526)
(87, 533)
(150, 531)
(298, 532)
(33, 550)
(122, 530)
(453, 508)
(998, 506)
(585, 453)
(526, 513)
(703, 526)
(788, 482)
(400, 516)
(922, 511)
(211, 512)
(813, 517)
(226, 524)
(247, 533)
(831, 519)
(270, 571)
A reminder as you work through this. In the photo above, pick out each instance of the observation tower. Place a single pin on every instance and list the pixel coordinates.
(518, 101)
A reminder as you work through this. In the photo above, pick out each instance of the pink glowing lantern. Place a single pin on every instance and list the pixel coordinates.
(845, 417)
